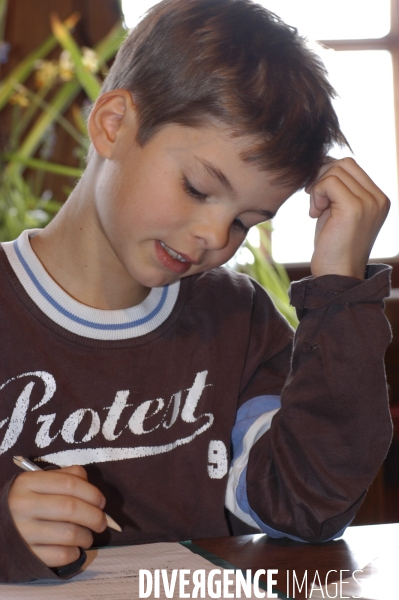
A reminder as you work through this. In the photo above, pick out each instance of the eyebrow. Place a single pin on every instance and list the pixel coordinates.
(221, 177)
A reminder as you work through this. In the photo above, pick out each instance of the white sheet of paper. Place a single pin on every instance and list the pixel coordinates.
(113, 574)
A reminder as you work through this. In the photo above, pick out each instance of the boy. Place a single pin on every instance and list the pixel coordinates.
(131, 360)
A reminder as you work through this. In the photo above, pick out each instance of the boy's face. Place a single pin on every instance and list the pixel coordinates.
(182, 204)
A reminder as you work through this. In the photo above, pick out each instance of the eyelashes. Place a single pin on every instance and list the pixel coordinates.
(191, 191)
(239, 225)
(194, 193)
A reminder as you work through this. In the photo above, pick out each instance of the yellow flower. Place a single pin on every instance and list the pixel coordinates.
(66, 69)
(20, 98)
(90, 59)
(46, 73)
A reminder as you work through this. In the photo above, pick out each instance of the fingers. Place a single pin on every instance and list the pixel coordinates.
(55, 507)
(56, 556)
(346, 191)
(57, 496)
(338, 190)
(350, 210)
(62, 482)
(328, 186)
(58, 534)
(326, 165)
(349, 165)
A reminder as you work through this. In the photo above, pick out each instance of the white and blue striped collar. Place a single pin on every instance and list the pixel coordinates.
(79, 318)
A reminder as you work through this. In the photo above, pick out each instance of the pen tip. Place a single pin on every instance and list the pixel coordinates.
(111, 523)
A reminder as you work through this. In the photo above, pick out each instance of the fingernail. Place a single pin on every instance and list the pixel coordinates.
(102, 503)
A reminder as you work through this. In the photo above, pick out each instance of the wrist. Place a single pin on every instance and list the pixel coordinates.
(343, 269)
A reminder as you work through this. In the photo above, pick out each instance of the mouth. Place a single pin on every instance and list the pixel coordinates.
(174, 254)
(171, 259)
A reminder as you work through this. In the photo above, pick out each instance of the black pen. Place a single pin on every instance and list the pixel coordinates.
(27, 465)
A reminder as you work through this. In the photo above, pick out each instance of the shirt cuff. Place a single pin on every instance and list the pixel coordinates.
(313, 293)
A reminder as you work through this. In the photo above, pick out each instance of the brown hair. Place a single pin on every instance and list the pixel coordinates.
(239, 63)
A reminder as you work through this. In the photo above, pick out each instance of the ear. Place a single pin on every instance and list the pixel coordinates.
(113, 114)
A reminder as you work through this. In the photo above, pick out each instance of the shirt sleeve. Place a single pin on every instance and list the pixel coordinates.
(313, 426)
(17, 562)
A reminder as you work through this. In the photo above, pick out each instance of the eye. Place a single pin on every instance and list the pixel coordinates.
(191, 191)
(239, 226)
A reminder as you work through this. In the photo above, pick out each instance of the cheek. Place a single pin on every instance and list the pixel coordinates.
(157, 202)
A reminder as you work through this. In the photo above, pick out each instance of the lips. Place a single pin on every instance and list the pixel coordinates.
(171, 259)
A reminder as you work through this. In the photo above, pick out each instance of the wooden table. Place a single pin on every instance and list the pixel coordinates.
(358, 547)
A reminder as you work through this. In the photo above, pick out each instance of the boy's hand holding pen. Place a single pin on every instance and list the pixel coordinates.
(56, 511)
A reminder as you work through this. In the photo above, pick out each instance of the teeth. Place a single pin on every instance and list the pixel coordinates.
(172, 253)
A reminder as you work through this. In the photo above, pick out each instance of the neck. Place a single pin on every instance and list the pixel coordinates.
(77, 255)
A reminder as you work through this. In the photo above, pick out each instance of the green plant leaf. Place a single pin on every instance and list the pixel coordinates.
(57, 115)
(87, 79)
(60, 102)
(44, 165)
(110, 44)
(22, 71)
(20, 209)
(272, 276)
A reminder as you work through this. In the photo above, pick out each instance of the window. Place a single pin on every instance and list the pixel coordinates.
(361, 53)
(361, 39)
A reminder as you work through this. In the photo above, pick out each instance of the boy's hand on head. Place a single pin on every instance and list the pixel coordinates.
(350, 210)
(55, 512)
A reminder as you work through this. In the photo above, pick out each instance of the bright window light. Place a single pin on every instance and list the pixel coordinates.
(133, 10)
(366, 113)
(318, 19)
(335, 19)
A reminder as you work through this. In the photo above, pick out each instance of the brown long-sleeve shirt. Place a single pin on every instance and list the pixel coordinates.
(149, 399)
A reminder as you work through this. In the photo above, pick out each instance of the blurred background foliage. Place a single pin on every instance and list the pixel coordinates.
(259, 265)
(38, 91)
(51, 89)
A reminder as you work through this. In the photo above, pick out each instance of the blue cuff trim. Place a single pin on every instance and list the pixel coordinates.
(247, 415)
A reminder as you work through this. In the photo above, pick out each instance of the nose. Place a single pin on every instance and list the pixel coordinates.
(214, 234)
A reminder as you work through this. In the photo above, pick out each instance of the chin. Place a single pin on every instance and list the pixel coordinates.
(156, 280)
